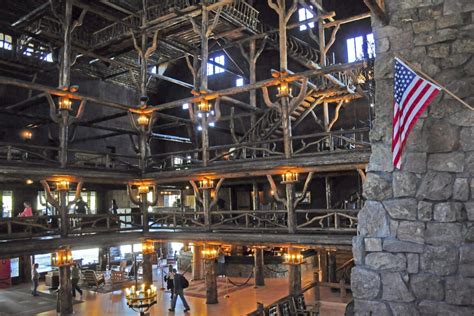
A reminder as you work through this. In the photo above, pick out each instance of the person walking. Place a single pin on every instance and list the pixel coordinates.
(169, 279)
(180, 283)
(75, 276)
(35, 279)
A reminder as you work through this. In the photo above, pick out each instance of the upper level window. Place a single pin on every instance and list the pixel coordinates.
(303, 15)
(239, 82)
(49, 58)
(355, 47)
(5, 41)
(213, 69)
(185, 106)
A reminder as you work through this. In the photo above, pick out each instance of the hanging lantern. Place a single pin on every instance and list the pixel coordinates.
(289, 177)
(143, 120)
(62, 257)
(209, 253)
(26, 134)
(148, 247)
(204, 106)
(293, 258)
(143, 189)
(206, 183)
(62, 185)
(284, 90)
(65, 103)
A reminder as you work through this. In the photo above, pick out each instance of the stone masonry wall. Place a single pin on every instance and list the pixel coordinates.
(414, 251)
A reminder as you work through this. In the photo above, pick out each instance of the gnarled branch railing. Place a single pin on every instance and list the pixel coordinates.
(85, 223)
(28, 227)
(176, 219)
(327, 220)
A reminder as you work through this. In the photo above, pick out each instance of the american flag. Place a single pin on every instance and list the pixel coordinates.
(412, 94)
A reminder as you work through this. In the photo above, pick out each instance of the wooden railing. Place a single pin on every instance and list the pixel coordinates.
(176, 219)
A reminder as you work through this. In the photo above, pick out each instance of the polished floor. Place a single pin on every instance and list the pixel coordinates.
(238, 302)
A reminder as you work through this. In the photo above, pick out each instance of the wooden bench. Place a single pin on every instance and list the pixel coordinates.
(91, 278)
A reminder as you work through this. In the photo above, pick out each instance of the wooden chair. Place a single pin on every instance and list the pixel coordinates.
(302, 309)
(272, 311)
(91, 278)
(118, 276)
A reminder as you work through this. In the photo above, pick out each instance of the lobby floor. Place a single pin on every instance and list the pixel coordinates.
(239, 302)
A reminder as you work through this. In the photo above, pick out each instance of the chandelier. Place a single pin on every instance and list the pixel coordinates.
(141, 299)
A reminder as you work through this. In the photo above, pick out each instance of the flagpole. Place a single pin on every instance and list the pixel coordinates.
(435, 82)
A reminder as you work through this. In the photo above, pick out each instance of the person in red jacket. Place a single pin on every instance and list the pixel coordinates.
(28, 211)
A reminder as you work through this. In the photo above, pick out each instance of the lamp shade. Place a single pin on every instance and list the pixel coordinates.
(289, 177)
(62, 257)
(65, 103)
(148, 247)
(206, 183)
(62, 185)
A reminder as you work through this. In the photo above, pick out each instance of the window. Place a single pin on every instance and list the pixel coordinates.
(355, 47)
(5, 41)
(303, 15)
(212, 69)
(14, 267)
(49, 58)
(6, 203)
(153, 70)
(185, 106)
(239, 82)
(88, 256)
(44, 262)
(30, 49)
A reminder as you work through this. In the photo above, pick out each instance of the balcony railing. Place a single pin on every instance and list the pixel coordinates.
(334, 221)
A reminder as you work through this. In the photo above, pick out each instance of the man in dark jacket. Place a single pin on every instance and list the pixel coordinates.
(178, 291)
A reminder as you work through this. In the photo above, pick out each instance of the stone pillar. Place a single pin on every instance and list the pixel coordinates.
(197, 262)
(147, 269)
(210, 273)
(259, 267)
(65, 291)
(294, 279)
(414, 251)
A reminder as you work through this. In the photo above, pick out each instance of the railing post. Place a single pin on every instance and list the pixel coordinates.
(342, 286)
(9, 152)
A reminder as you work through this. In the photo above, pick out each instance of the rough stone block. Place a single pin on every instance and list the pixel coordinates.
(394, 245)
(463, 46)
(358, 250)
(423, 26)
(403, 309)
(448, 212)
(401, 208)
(425, 211)
(470, 162)
(367, 308)
(439, 260)
(404, 184)
(411, 231)
(386, 261)
(441, 136)
(373, 221)
(470, 210)
(428, 308)
(466, 261)
(427, 287)
(459, 291)
(469, 236)
(413, 263)
(377, 187)
(414, 162)
(467, 138)
(455, 60)
(373, 244)
(449, 162)
(436, 186)
(462, 117)
(443, 234)
(383, 45)
(457, 6)
(395, 289)
(461, 189)
(449, 21)
(381, 158)
(438, 50)
(365, 284)
(434, 37)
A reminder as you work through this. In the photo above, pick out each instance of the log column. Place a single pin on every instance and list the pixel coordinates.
(64, 212)
(294, 277)
(65, 291)
(147, 269)
(290, 197)
(206, 201)
(259, 267)
(144, 210)
(197, 262)
(332, 266)
(323, 265)
(210, 272)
